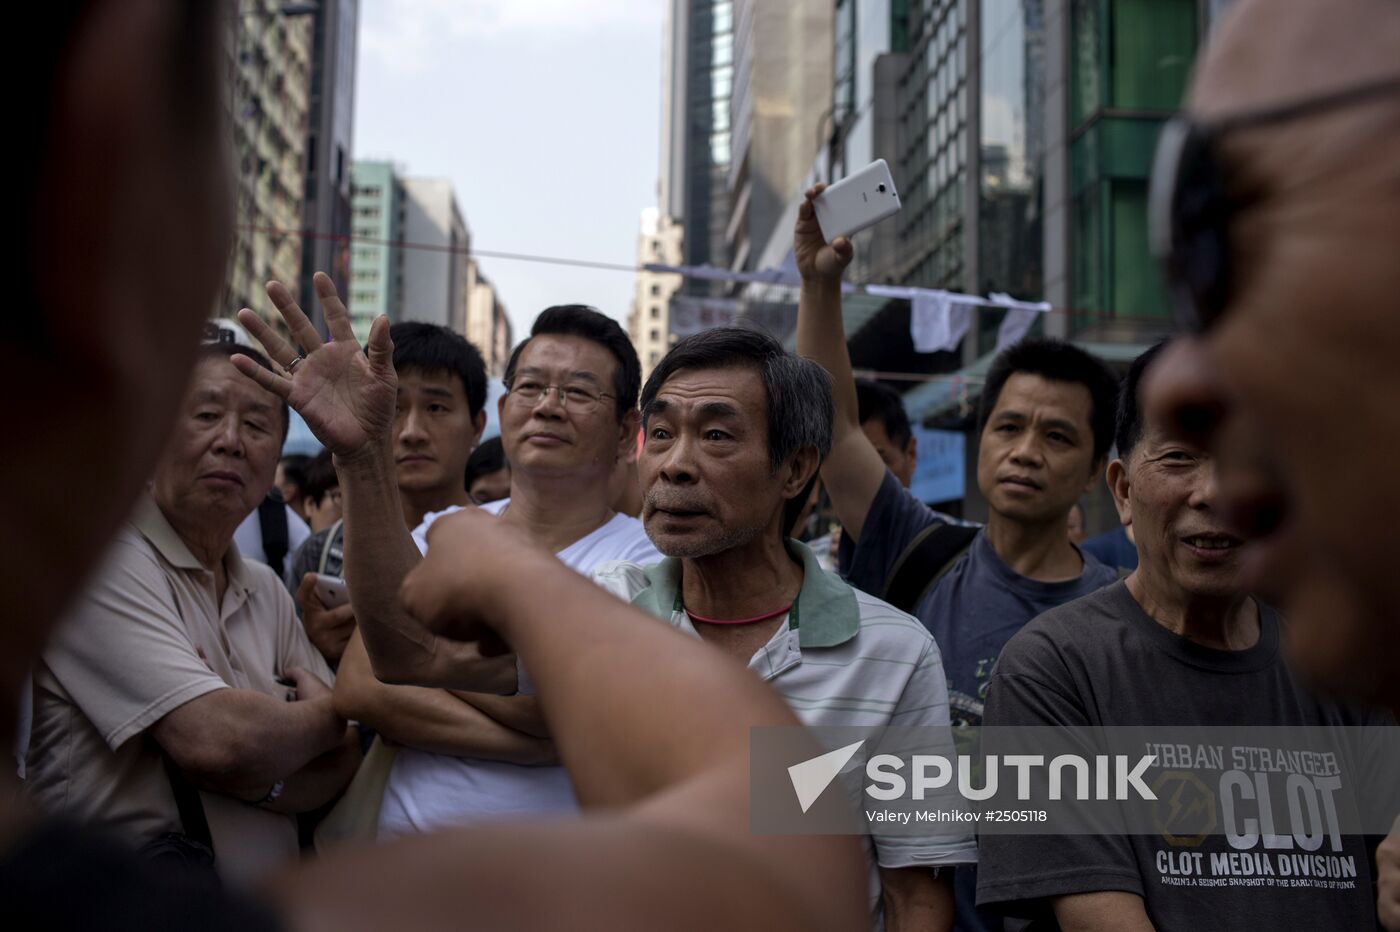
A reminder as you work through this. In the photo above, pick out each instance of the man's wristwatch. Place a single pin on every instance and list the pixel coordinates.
(272, 794)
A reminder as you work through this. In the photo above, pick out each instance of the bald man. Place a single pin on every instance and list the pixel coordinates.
(1290, 273)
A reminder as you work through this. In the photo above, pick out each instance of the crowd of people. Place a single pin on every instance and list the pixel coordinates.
(435, 683)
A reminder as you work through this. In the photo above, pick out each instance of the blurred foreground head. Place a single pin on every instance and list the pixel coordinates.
(123, 236)
(1285, 246)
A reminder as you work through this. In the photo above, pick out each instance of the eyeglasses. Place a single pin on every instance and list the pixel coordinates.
(575, 398)
(1192, 204)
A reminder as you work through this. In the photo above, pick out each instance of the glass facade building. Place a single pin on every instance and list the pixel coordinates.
(709, 82)
(1010, 155)
(932, 158)
(1129, 64)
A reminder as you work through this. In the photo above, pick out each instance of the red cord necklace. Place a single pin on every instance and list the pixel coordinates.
(739, 621)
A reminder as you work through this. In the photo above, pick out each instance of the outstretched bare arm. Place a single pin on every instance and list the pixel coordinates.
(654, 728)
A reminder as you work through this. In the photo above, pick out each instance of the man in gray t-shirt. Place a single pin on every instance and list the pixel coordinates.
(1103, 661)
(1176, 643)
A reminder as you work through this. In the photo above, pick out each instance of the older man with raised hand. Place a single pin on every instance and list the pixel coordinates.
(180, 650)
(735, 428)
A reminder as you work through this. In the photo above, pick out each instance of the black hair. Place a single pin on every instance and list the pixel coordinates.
(295, 468)
(222, 350)
(320, 477)
(1129, 428)
(488, 457)
(1057, 361)
(800, 406)
(877, 401)
(579, 320)
(426, 347)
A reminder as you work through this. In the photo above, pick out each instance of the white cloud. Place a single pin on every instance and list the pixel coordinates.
(408, 35)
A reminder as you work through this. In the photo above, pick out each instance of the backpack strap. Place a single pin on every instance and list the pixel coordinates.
(190, 806)
(925, 561)
(329, 543)
(272, 520)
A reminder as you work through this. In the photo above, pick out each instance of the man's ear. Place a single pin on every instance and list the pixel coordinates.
(799, 470)
(627, 436)
(478, 426)
(911, 449)
(1118, 486)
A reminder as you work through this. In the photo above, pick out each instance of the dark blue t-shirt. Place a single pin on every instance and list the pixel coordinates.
(973, 611)
(1112, 548)
(975, 608)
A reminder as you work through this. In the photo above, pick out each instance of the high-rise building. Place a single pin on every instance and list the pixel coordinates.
(1122, 72)
(695, 144)
(780, 101)
(411, 259)
(1020, 134)
(488, 326)
(649, 321)
(326, 212)
(269, 93)
(438, 273)
(376, 265)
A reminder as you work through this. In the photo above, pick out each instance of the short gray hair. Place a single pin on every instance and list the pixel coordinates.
(800, 406)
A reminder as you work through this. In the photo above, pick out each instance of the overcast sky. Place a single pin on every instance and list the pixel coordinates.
(544, 115)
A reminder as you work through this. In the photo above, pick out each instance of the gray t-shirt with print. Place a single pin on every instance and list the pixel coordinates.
(1102, 661)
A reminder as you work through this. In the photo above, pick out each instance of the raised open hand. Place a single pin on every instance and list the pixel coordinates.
(816, 258)
(346, 396)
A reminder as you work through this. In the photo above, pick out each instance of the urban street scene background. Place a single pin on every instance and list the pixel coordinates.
(1019, 133)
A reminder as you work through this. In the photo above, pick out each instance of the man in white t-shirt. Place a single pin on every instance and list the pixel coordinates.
(569, 413)
(428, 790)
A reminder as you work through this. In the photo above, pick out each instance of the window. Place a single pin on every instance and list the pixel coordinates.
(655, 312)
(655, 334)
(655, 290)
(1153, 45)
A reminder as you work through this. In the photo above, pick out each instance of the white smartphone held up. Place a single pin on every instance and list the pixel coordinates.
(331, 591)
(857, 201)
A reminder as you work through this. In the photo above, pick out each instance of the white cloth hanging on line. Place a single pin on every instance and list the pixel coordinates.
(938, 320)
(1020, 315)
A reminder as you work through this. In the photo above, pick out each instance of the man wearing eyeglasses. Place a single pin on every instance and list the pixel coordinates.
(1276, 205)
(568, 414)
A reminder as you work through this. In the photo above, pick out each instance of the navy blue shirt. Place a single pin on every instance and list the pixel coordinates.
(975, 608)
(973, 611)
(1113, 549)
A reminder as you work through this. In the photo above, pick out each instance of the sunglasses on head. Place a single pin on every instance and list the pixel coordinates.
(1191, 205)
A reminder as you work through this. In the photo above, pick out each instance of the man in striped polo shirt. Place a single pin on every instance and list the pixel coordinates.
(734, 428)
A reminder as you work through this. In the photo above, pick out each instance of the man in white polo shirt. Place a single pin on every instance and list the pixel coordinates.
(568, 414)
(734, 428)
